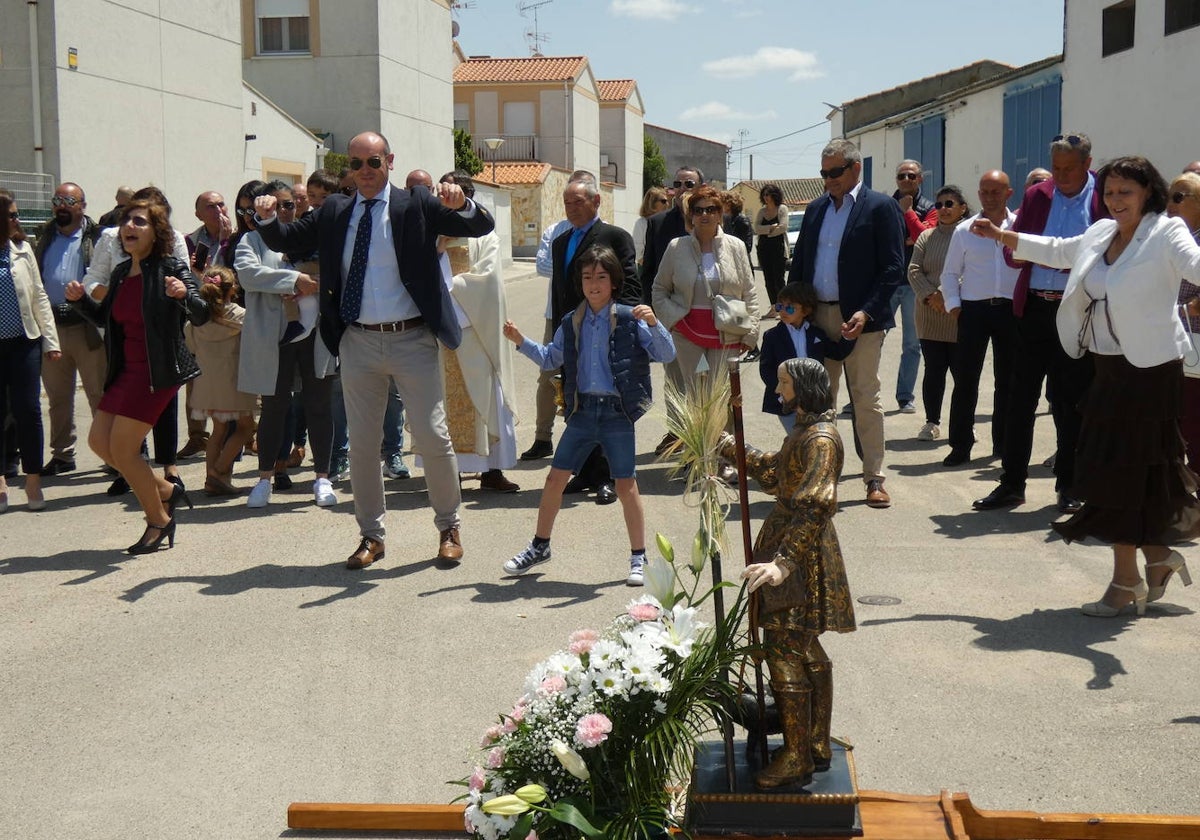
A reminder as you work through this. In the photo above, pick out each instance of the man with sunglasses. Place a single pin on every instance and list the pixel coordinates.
(1063, 206)
(851, 247)
(64, 251)
(919, 216)
(384, 308)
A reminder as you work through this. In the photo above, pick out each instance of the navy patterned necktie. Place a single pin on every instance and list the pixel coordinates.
(353, 291)
(11, 325)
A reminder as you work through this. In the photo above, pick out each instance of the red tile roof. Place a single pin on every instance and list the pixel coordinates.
(796, 191)
(615, 90)
(514, 174)
(497, 70)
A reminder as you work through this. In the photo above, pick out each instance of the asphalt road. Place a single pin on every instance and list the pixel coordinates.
(197, 691)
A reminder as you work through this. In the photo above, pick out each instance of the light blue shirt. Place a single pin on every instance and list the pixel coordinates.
(62, 262)
(595, 374)
(829, 245)
(384, 298)
(1068, 217)
(545, 259)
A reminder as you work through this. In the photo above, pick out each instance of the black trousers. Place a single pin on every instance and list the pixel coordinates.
(1039, 355)
(20, 392)
(981, 322)
(315, 393)
(939, 359)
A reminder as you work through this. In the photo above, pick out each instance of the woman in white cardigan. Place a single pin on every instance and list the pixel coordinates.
(693, 269)
(270, 361)
(26, 332)
(1120, 306)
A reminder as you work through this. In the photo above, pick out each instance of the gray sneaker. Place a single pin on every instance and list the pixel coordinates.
(339, 468)
(527, 559)
(393, 467)
(636, 575)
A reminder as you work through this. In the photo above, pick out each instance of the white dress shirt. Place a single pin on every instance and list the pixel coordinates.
(975, 268)
(384, 298)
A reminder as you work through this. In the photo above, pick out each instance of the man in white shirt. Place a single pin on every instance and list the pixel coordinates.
(977, 289)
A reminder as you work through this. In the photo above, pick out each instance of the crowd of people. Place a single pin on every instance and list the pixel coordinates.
(321, 318)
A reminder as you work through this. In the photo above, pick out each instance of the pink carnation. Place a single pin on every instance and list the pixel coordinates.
(582, 641)
(553, 685)
(592, 730)
(491, 736)
(532, 835)
(644, 612)
(477, 779)
(495, 758)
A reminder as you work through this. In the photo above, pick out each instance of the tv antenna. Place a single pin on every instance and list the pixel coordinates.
(534, 37)
(457, 6)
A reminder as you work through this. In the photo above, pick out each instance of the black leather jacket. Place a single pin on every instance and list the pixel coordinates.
(171, 363)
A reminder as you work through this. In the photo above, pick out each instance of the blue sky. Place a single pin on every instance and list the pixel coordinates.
(717, 67)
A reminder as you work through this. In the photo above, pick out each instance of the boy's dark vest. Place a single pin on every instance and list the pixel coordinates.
(628, 360)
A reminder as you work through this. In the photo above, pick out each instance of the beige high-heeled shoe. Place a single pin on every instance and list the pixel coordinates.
(1099, 609)
(1175, 562)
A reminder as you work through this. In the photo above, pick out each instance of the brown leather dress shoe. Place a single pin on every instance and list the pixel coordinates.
(369, 550)
(877, 497)
(449, 547)
(296, 458)
(495, 480)
(195, 446)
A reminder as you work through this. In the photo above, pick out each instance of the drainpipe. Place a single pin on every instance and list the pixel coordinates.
(35, 77)
(568, 164)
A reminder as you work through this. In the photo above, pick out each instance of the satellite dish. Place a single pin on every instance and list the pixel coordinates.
(454, 29)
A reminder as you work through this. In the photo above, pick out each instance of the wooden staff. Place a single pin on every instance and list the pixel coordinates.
(739, 436)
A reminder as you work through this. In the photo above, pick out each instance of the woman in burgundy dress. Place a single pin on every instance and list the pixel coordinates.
(148, 299)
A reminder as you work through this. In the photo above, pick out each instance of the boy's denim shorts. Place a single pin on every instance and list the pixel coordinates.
(597, 420)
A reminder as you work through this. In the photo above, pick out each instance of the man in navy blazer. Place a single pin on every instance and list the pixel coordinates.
(851, 248)
(383, 309)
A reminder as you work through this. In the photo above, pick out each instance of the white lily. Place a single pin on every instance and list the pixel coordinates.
(660, 580)
(681, 629)
(571, 761)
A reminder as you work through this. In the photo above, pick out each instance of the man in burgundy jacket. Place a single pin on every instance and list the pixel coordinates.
(1063, 206)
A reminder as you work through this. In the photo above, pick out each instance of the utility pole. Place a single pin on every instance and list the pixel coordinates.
(742, 135)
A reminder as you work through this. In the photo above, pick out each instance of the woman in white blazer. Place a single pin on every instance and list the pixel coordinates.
(26, 332)
(1120, 306)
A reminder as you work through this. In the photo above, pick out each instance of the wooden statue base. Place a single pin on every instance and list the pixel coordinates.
(826, 807)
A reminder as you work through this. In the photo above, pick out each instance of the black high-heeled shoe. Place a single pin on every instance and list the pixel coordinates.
(146, 545)
(177, 494)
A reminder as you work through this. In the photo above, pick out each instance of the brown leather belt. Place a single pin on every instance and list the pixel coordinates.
(391, 326)
(1045, 295)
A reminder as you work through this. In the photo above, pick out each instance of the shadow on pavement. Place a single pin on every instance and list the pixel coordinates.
(531, 587)
(345, 584)
(974, 523)
(95, 563)
(1064, 631)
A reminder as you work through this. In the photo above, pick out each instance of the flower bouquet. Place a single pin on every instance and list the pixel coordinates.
(607, 727)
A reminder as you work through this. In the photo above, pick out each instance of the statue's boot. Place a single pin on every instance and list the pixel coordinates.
(820, 675)
(792, 764)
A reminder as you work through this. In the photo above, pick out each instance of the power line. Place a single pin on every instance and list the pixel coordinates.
(784, 136)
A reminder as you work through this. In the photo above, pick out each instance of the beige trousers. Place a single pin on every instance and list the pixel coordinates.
(59, 381)
(861, 369)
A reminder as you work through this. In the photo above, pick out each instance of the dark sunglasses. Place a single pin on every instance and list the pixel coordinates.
(836, 172)
(245, 212)
(64, 201)
(707, 210)
(687, 185)
(1072, 139)
(785, 307)
(374, 161)
(136, 221)
(1178, 197)
(14, 215)
(948, 204)
(907, 176)
(288, 205)
(347, 190)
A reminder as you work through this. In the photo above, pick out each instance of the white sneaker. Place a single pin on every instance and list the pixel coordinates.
(930, 431)
(323, 493)
(636, 573)
(260, 495)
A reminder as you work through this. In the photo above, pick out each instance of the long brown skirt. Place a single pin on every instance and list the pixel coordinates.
(1129, 463)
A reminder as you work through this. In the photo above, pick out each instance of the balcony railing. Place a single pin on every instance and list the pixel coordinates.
(516, 147)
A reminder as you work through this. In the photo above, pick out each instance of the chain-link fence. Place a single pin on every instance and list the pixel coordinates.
(32, 191)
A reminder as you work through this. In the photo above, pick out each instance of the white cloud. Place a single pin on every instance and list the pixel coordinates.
(650, 9)
(801, 65)
(714, 110)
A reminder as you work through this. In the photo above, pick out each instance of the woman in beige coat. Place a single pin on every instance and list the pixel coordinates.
(26, 332)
